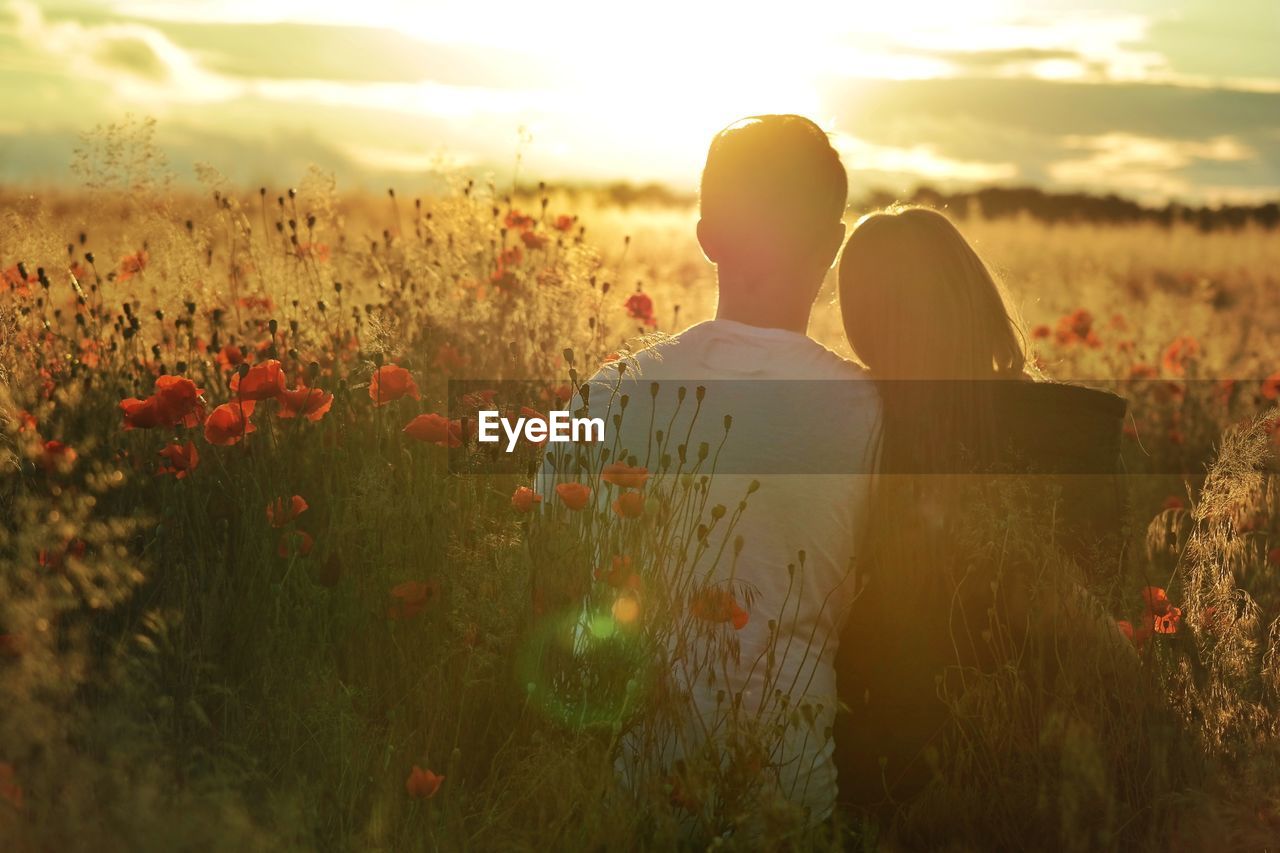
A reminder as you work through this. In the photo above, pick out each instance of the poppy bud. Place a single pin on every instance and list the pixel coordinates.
(754, 487)
(272, 326)
(718, 511)
(700, 393)
(728, 422)
(681, 393)
(623, 400)
(653, 389)
(243, 370)
(568, 356)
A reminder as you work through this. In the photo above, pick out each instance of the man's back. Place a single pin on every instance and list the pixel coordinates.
(803, 422)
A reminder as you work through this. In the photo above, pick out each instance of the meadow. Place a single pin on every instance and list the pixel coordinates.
(259, 589)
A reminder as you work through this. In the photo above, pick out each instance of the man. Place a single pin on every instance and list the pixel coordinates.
(772, 197)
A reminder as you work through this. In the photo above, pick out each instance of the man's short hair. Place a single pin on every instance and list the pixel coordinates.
(773, 171)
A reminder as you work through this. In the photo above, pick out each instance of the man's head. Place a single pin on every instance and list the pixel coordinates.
(773, 192)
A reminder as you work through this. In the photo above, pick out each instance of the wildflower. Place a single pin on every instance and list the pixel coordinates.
(10, 790)
(717, 605)
(262, 382)
(435, 429)
(310, 403)
(564, 222)
(1173, 502)
(26, 421)
(640, 307)
(54, 560)
(629, 505)
(179, 401)
(412, 597)
(1179, 354)
(280, 513)
(182, 459)
(293, 542)
(518, 220)
(1077, 327)
(142, 414)
(627, 476)
(533, 240)
(510, 257)
(574, 495)
(56, 456)
(230, 357)
(229, 423)
(1161, 614)
(1271, 386)
(390, 383)
(131, 265)
(1041, 332)
(318, 251)
(12, 645)
(619, 575)
(524, 498)
(1142, 371)
(422, 784)
(449, 358)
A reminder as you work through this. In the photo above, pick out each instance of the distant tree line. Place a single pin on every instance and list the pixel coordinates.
(1004, 202)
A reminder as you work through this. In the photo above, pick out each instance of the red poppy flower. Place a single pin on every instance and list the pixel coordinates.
(280, 512)
(390, 383)
(533, 240)
(627, 476)
(310, 403)
(1076, 327)
(230, 357)
(1041, 332)
(1180, 353)
(450, 358)
(229, 423)
(1271, 386)
(422, 784)
(629, 505)
(619, 575)
(1161, 614)
(26, 421)
(564, 222)
(131, 265)
(516, 219)
(142, 414)
(435, 429)
(1173, 502)
(10, 790)
(56, 456)
(524, 499)
(295, 542)
(411, 598)
(12, 645)
(574, 495)
(262, 382)
(180, 400)
(640, 307)
(717, 605)
(182, 458)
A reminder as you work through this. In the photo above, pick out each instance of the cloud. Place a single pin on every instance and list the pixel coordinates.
(1147, 167)
(916, 162)
(136, 62)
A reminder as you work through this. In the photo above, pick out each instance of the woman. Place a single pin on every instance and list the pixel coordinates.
(965, 420)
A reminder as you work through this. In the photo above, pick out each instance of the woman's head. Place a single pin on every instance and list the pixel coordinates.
(918, 302)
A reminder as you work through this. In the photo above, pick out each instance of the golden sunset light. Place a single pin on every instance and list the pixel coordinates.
(675, 426)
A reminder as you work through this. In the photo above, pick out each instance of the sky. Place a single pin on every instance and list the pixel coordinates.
(1152, 99)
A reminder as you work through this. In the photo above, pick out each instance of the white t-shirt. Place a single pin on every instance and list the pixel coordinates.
(803, 427)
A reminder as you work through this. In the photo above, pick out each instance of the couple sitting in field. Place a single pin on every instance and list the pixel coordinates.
(848, 544)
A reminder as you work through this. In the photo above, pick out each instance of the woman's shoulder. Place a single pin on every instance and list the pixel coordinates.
(1064, 427)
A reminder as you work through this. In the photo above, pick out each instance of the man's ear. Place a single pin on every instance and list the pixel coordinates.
(706, 239)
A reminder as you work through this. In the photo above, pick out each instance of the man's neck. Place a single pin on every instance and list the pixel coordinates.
(744, 305)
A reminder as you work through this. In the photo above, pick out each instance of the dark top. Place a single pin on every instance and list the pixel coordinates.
(1062, 438)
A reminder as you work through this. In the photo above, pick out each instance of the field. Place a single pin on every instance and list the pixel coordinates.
(297, 625)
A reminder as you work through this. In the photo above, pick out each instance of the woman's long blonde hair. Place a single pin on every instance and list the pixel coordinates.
(918, 302)
(924, 313)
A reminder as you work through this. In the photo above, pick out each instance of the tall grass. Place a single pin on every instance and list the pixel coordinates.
(176, 671)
